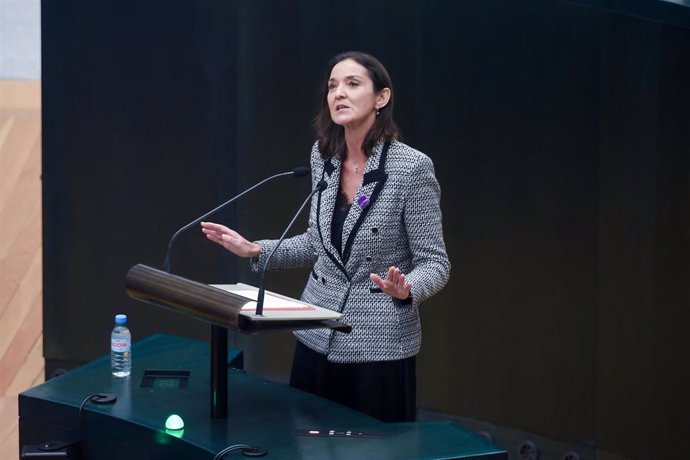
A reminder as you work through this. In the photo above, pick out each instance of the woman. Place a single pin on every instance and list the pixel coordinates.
(374, 242)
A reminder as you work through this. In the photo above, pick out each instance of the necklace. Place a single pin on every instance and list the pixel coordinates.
(356, 166)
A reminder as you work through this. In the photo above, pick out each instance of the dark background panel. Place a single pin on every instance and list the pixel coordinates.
(138, 137)
(643, 274)
(559, 133)
(517, 159)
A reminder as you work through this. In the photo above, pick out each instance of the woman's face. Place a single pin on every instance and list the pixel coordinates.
(351, 97)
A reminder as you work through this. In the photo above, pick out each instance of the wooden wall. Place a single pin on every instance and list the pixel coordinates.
(21, 306)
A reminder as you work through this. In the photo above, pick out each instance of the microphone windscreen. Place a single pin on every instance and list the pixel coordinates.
(322, 185)
(301, 171)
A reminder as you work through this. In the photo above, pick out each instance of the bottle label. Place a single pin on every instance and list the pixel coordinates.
(120, 345)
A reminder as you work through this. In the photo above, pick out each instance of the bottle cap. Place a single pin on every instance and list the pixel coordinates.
(121, 319)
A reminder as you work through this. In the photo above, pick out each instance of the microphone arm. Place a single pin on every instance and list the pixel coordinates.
(297, 172)
(321, 186)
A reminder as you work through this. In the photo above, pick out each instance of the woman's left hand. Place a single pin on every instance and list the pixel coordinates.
(394, 285)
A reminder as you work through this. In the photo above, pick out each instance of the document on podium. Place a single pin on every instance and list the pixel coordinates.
(276, 306)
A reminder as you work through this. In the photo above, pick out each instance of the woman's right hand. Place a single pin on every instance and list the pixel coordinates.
(230, 240)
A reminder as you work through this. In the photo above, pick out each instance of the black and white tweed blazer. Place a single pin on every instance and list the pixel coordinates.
(400, 226)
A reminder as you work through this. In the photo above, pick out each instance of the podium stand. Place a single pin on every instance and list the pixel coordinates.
(274, 416)
(220, 308)
(64, 413)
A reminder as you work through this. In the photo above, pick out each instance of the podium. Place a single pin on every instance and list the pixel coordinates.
(220, 308)
(273, 416)
(104, 417)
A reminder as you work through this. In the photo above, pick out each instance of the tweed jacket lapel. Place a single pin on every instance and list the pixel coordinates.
(372, 183)
(326, 204)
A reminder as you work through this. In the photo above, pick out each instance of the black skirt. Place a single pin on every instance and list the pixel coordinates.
(386, 390)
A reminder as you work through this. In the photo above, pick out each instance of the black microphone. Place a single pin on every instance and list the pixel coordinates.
(321, 186)
(299, 171)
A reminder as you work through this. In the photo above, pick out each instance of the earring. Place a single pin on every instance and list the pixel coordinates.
(378, 111)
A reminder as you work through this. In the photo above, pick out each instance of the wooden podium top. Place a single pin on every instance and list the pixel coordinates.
(223, 305)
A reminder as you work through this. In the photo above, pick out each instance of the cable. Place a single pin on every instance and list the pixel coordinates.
(229, 449)
(83, 403)
(99, 398)
(249, 451)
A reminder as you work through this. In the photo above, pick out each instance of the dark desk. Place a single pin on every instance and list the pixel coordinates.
(261, 413)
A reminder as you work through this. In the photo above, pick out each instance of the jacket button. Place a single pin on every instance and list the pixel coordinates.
(374, 230)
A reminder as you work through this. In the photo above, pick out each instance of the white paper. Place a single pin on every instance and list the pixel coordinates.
(276, 306)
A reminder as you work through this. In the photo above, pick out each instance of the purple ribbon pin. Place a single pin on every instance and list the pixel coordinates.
(363, 201)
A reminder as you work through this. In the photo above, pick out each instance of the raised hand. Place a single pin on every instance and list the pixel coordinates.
(230, 240)
(394, 284)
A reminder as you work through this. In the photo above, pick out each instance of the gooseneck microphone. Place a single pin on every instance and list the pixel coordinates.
(321, 186)
(299, 171)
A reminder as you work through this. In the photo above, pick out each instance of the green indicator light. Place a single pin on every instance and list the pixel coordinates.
(174, 422)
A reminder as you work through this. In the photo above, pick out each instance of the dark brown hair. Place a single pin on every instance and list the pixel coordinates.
(331, 136)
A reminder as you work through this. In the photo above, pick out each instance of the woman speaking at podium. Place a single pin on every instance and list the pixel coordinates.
(374, 243)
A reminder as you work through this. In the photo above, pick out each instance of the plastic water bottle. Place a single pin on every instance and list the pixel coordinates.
(121, 348)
